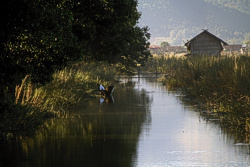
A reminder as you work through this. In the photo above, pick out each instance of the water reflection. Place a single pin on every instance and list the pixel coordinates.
(101, 134)
(143, 124)
(179, 136)
(214, 120)
(107, 99)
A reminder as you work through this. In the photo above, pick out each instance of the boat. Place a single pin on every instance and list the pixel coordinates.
(108, 91)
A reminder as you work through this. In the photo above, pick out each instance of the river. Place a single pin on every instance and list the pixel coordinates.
(143, 124)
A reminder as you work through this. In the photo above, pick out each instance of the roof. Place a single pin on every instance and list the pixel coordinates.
(205, 31)
(154, 47)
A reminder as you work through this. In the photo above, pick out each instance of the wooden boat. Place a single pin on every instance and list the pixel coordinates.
(107, 91)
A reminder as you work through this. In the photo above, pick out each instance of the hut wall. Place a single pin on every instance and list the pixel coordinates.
(206, 45)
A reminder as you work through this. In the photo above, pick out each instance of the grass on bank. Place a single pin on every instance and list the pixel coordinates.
(71, 86)
(221, 84)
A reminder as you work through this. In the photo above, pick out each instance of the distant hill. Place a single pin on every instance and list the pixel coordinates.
(240, 5)
(177, 21)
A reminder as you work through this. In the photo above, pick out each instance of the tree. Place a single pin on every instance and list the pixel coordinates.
(164, 44)
(40, 37)
(164, 47)
(136, 51)
(108, 28)
(37, 40)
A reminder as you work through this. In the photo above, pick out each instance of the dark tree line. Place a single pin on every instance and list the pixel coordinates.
(39, 37)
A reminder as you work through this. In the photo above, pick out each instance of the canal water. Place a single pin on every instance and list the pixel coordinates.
(142, 124)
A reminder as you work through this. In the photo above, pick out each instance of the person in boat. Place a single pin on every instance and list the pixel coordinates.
(104, 91)
(101, 89)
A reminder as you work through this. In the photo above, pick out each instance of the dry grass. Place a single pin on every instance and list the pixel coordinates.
(69, 87)
(222, 84)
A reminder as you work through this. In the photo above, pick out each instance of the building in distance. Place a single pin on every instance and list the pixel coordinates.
(205, 43)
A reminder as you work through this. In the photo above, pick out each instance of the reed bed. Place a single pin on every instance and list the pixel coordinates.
(69, 87)
(221, 84)
(33, 104)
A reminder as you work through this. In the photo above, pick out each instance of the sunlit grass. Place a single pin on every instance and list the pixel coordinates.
(221, 84)
(33, 104)
(70, 86)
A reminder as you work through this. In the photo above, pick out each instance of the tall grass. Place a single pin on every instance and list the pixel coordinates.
(222, 84)
(33, 104)
(70, 86)
(162, 63)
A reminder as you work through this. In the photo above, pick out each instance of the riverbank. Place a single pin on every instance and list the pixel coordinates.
(145, 125)
(220, 85)
(34, 104)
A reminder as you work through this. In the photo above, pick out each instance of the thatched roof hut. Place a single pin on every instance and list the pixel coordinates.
(205, 43)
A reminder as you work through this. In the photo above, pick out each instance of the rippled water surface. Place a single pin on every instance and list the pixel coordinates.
(142, 124)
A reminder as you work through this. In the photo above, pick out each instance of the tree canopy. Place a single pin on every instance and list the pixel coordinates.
(165, 44)
(40, 37)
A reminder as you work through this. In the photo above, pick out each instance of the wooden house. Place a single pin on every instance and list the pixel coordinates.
(205, 43)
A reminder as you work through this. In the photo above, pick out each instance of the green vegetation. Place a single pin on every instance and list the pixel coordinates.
(71, 86)
(173, 21)
(41, 37)
(86, 132)
(42, 43)
(220, 84)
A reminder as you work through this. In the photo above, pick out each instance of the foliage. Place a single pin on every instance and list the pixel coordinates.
(70, 86)
(89, 131)
(108, 27)
(44, 43)
(20, 119)
(162, 63)
(222, 84)
(36, 40)
(33, 104)
(41, 37)
(131, 57)
(175, 19)
(164, 44)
